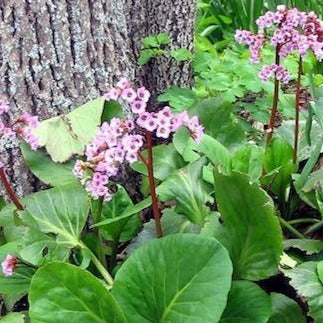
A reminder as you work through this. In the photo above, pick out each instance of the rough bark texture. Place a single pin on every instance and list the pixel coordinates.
(175, 17)
(55, 55)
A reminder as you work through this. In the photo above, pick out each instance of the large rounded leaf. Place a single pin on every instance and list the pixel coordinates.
(62, 211)
(62, 293)
(46, 170)
(305, 279)
(285, 310)
(189, 190)
(247, 303)
(250, 230)
(179, 278)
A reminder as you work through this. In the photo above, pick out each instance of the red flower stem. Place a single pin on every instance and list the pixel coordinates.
(298, 96)
(275, 102)
(152, 185)
(143, 159)
(12, 195)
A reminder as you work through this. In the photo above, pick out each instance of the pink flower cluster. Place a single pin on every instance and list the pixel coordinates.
(24, 126)
(273, 70)
(291, 31)
(114, 144)
(255, 43)
(120, 140)
(9, 265)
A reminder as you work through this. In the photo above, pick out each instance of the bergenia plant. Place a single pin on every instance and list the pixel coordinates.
(288, 31)
(120, 141)
(22, 127)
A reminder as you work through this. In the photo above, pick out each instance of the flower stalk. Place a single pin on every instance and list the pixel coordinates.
(297, 105)
(152, 184)
(12, 195)
(275, 102)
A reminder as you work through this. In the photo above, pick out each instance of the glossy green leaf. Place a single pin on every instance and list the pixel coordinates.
(112, 109)
(171, 222)
(285, 310)
(219, 122)
(46, 170)
(188, 189)
(310, 246)
(250, 230)
(249, 160)
(306, 281)
(64, 136)
(247, 303)
(117, 226)
(279, 156)
(165, 159)
(163, 280)
(124, 224)
(61, 211)
(13, 318)
(60, 292)
(286, 132)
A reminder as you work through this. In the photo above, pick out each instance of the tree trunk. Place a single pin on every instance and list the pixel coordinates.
(55, 55)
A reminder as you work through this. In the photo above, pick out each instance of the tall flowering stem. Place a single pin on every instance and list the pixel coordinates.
(152, 184)
(298, 96)
(275, 101)
(12, 195)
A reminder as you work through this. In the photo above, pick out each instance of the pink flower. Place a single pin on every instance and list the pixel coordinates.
(128, 95)
(143, 94)
(123, 83)
(9, 265)
(138, 106)
(113, 94)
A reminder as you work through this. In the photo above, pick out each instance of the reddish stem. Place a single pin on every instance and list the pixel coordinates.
(275, 102)
(298, 96)
(152, 185)
(12, 195)
(143, 159)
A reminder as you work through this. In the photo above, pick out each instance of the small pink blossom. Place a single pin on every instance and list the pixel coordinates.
(143, 94)
(138, 106)
(128, 95)
(9, 265)
(123, 83)
(113, 94)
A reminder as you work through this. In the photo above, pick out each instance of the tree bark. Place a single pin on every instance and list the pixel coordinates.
(56, 55)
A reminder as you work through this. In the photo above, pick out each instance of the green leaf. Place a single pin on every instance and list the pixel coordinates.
(150, 41)
(13, 318)
(310, 246)
(166, 161)
(145, 56)
(248, 159)
(61, 211)
(250, 230)
(119, 228)
(247, 303)
(178, 98)
(181, 54)
(219, 122)
(305, 280)
(189, 190)
(210, 147)
(112, 109)
(163, 38)
(61, 291)
(65, 136)
(286, 132)
(171, 222)
(285, 310)
(163, 280)
(279, 157)
(46, 170)
(124, 225)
